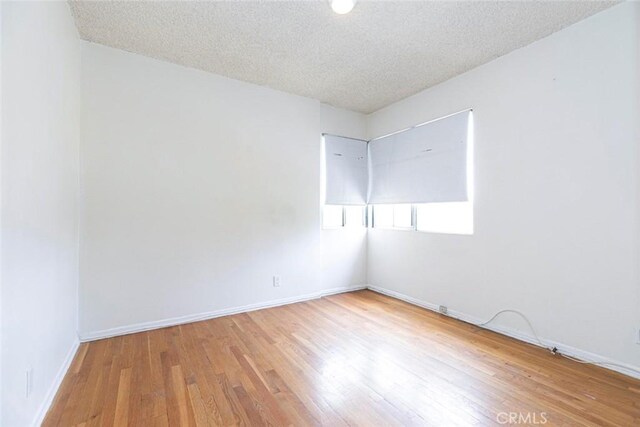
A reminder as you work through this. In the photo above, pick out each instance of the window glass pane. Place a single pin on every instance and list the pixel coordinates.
(383, 216)
(402, 216)
(354, 216)
(453, 218)
(332, 216)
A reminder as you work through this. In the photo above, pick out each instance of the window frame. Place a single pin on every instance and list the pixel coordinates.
(336, 227)
(364, 222)
(412, 227)
(413, 219)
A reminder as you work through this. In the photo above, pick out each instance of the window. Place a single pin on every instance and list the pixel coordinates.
(332, 216)
(393, 216)
(354, 216)
(383, 216)
(435, 217)
(418, 179)
(337, 216)
(402, 216)
(451, 218)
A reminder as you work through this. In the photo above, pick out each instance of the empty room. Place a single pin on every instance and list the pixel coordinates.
(319, 213)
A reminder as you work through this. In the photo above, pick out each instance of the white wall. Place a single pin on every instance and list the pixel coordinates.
(39, 175)
(557, 216)
(197, 189)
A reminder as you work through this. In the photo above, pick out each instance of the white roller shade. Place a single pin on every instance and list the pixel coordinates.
(345, 171)
(424, 164)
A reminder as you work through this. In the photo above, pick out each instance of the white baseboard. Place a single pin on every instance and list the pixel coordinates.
(622, 367)
(57, 381)
(157, 324)
(586, 356)
(605, 362)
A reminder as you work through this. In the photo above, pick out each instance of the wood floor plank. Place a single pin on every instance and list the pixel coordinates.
(122, 401)
(359, 358)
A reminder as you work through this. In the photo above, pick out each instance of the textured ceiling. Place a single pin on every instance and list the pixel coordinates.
(381, 52)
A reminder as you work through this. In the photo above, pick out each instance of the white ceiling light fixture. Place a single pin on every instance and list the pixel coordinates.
(342, 7)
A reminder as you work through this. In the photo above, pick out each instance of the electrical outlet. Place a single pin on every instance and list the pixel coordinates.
(276, 281)
(28, 382)
(443, 309)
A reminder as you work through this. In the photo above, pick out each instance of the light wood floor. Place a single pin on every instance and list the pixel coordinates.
(351, 359)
